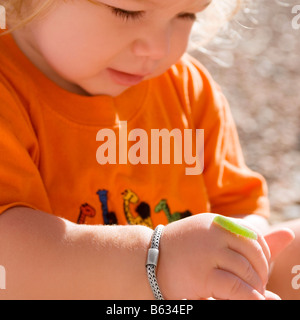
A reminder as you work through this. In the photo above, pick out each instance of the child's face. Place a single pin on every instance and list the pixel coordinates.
(89, 45)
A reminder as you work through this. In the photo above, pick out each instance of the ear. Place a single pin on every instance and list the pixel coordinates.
(278, 240)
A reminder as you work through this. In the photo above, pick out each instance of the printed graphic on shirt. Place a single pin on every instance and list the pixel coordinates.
(163, 206)
(85, 211)
(109, 217)
(131, 201)
(143, 209)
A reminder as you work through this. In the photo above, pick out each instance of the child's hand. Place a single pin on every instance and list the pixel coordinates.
(199, 259)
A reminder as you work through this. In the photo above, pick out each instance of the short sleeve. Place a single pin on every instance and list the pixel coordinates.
(232, 187)
(20, 180)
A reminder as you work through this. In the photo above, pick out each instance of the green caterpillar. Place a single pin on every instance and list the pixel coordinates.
(235, 228)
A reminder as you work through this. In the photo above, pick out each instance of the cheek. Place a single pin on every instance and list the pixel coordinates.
(69, 58)
(74, 45)
(182, 36)
(178, 44)
(179, 39)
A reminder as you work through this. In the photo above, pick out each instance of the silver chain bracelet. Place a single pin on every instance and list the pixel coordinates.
(152, 260)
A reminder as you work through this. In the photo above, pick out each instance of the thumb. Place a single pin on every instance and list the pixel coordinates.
(278, 240)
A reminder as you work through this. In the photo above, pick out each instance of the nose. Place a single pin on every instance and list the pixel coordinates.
(154, 44)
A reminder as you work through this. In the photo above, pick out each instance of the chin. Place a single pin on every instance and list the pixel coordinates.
(112, 92)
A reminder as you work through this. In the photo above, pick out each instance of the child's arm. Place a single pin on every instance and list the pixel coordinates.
(48, 257)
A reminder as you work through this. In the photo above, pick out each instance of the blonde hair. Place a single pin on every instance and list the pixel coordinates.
(219, 12)
(21, 12)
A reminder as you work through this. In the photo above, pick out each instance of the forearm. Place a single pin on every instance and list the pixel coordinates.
(46, 257)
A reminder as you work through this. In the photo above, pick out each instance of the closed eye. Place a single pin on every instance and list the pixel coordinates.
(126, 15)
(188, 16)
(136, 15)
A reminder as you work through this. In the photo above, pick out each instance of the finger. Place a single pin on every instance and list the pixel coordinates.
(260, 239)
(238, 265)
(247, 232)
(264, 245)
(227, 286)
(278, 240)
(253, 252)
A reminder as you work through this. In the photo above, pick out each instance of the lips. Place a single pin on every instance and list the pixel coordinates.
(126, 79)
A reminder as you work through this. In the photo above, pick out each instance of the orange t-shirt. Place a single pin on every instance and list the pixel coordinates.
(49, 150)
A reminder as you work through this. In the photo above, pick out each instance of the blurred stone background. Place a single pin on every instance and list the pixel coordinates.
(260, 77)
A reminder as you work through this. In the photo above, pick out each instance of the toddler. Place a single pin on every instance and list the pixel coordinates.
(84, 87)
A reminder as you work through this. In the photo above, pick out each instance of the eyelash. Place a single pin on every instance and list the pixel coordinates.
(127, 15)
(188, 16)
(136, 15)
